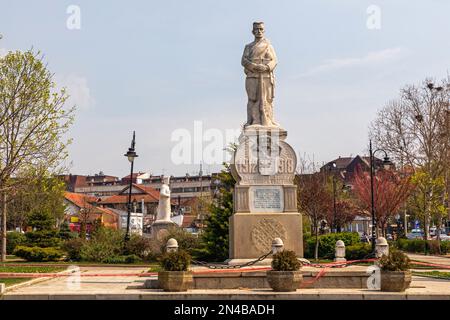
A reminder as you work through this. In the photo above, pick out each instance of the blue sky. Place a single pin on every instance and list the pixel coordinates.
(157, 66)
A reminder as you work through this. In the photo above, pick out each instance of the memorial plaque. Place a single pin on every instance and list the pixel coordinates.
(266, 199)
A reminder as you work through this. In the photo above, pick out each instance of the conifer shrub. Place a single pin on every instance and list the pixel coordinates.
(175, 261)
(394, 261)
(285, 260)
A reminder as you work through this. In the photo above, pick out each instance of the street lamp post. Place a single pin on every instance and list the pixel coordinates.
(131, 154)
(386, 164)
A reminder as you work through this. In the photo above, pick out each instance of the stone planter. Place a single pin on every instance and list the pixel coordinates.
(176, 281)
(284, 281)
(395, 281)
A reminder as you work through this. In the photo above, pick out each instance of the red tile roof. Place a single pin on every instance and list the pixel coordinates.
(149, 194)
(135, 175)
(146, 189)
(80, 200)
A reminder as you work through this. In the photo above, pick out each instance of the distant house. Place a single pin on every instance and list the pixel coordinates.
(73, 181)
(138, 178)
(144, 199)
(100, 179)
(344, 169)
(98, 185)
(144, 203)
(82, 208)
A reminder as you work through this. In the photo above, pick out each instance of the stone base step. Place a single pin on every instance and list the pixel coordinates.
(342, 279)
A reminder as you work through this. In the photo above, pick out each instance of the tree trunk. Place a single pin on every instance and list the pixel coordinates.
(316, 247)
(83, 230)
(438, 234)
(427, 226)
(3, 227)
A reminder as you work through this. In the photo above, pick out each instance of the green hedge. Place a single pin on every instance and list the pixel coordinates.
(37, 254)
(14, 239)
(327, 244)
(423, 246)
(358, 251)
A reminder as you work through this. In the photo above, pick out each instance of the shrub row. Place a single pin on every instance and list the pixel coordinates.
(358, 251)
(107, 246)
(37, 254)
(14, 239)
(423, 246)
(327, 243)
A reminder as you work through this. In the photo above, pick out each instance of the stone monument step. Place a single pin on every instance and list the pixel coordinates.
(342, 278)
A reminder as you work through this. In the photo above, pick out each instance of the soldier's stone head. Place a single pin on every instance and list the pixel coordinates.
(258, 29)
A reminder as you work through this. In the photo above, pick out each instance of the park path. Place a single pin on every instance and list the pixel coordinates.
(444, 260)
(86, 284)
(125, 287)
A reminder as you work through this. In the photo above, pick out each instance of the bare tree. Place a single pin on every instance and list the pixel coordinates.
(313, 200)
(414, 130)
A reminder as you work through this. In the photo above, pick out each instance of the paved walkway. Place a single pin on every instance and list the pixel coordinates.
(115, 287)
(445, 260)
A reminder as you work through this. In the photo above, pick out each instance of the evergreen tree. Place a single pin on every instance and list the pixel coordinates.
(215, 236)
(41, 220)
(44, 232)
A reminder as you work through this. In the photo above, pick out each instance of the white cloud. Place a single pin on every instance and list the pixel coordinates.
(77, 89)
(371, 59)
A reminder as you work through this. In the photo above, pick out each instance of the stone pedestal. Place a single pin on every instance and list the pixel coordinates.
(265, 197)
(251, 234)
(159, 229)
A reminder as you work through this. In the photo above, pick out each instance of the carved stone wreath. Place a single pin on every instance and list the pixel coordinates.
(264, 232)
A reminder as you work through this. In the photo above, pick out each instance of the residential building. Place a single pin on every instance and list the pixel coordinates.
(73, 181)
(138, 178)
(190, 193)
(144, 203)
(100, 179)
(98, 185)
(100, 191)
(344, 169)
(82, 208)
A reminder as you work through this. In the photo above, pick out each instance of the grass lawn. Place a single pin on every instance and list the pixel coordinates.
(312, 260)
(434, 274)
(25, 269)
(12, 281)
(11, 259)
(154, 268)
(30, 269)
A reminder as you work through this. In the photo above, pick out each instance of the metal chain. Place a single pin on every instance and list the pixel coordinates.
(236, 266)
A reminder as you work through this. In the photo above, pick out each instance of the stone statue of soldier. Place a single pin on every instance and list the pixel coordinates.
(259, 61)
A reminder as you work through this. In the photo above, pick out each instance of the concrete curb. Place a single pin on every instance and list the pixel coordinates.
(33, 281)
(310, 294)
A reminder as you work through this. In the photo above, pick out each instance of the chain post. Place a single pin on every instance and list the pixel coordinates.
(237, 266)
